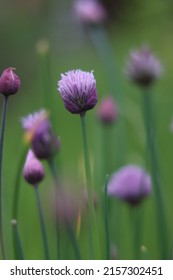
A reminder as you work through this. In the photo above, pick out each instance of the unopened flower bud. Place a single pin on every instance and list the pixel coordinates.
(33, 170)
(90, 11)
(9, 82)
(107, 112)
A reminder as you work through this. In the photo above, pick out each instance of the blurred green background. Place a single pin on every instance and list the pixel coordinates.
(22, 25)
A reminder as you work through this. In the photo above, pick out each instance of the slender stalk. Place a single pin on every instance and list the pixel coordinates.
(18, 249)
(53, 170)
(4, 111)
(92, 217)
(162, 226)
(44, 64)
(42, 223)
(107, 221)
(17, 184)
(137, 232)
(103, 46)
(74, 242)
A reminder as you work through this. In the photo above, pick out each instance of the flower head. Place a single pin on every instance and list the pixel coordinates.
(107, 111)
(39, 132)
(90, 11)
(143, 67)
(33, 170)
(78, 91)
(9, 82)
(131, 183)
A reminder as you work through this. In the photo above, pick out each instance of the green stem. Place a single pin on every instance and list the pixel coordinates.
(137, 231)
(92, 216)
(53, 170)
(42, 223)
(44, 63)
(103, 46)
(162, 226)
(18, 250)
(74, 242)
(4, 111)
(17, 184)
(107, 221)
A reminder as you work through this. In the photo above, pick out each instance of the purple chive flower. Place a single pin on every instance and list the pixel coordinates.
(78, 91)
(9, 82)
(131, 183)
(39, 132)
(143, 67)
(107, 112)
(33, 170)
(90, 11)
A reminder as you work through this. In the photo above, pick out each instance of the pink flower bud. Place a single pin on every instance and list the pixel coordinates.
(90, 11)
(9, 82)
(33, 170)
(107, 112)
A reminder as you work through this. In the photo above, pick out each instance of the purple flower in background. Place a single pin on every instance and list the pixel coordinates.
(78, 91)
(90, 11)
(131, 183)
(39, 132)
(107, 112)
(33, 170)
(9, 82)
(143, 67)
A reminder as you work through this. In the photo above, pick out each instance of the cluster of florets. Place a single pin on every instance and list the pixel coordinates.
(78, 91)
(131, 183)
(143, 68)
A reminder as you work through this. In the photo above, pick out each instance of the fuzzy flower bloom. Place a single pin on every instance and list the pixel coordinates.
(39, 132)
(78, 91)
(9, 82)
(143, 67)
(33, 170)
(89, 11)
(107, 112)
(131, 183)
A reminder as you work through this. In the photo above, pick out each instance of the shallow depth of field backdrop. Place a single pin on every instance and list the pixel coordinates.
(132, 23)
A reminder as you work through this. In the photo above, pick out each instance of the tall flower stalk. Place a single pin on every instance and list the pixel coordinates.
(42, 222)
(34, 173)
(143, 68)
(89, 185)
(9, 85)
(78, 91)
(45, 145)
(155, 171)
(131, 184)
(107, 233)
(1, 159)
(92, 16)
